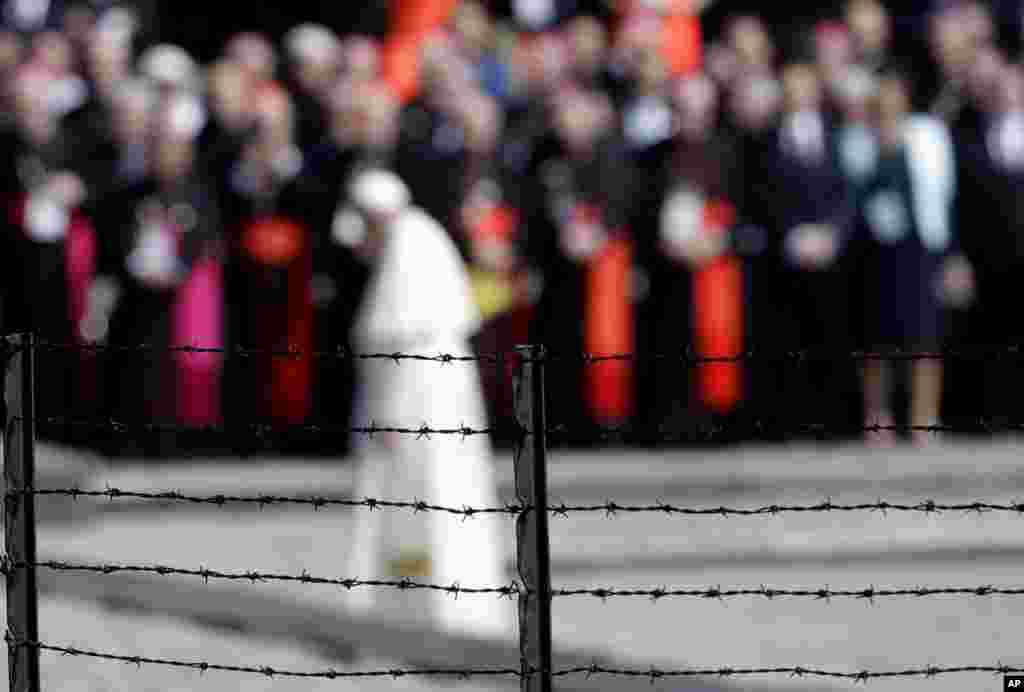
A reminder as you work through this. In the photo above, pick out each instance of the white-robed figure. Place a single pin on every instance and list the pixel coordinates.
(419, 301)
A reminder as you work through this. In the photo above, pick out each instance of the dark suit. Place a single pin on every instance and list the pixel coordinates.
(990, 213)
(797, 308)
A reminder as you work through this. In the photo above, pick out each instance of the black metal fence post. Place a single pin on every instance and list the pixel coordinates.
(19, 514)
(532, 541)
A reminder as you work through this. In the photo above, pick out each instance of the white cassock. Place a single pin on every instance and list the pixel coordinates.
(419, 302)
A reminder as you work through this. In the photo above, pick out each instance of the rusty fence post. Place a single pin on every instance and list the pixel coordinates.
(19, 513)
(532, 539)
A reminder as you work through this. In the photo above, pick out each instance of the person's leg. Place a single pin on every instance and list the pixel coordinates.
(925, 395)
(876, 375)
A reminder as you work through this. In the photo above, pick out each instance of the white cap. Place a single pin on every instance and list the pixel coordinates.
(312, 43)
(379, 192)
(167, 64)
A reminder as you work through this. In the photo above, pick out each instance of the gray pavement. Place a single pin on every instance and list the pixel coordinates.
(838, 550)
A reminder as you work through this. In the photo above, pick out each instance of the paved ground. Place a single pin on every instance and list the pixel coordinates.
(851, 550)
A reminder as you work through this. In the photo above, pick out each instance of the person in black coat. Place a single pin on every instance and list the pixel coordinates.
(675, 183)
(361, 130)
(990, 214)
(313, 63)
(431, 153)
(574, 197)
(158, 229)
(809, 214)
(47, 245)
(273, 217)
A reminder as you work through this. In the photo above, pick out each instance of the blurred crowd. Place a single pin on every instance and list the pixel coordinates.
(617, 178)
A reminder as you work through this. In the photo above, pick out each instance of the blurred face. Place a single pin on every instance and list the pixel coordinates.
(985, 75)
(254, 54)
(10, 51)
(755, 102)
(1011, 88)
(834, 55)
(952, 45)
(696, 101)
(31, 109)
(869, 23)
(53, 50)
(481, 121)
(751, 43)
(801, 88)
(893, 101)
(381, 121)
(472, 26)
(109, 62)
(78, 23)
(581, 120)
(315, 59)
(856, 93)
(173, 158)
(977, 22)
(131, 114)
(361, 60)
(275, 119)
(230, 88)
(651, 71)
(721, 63)
(833, 48)
(588, 43)
(448, 80)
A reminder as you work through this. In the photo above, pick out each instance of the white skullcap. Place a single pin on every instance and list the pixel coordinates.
(312, 43)
(379, 192)
(167, 64)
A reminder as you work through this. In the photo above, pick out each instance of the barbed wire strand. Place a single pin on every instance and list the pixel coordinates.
(267, 671)
(652, 673)
(340, 353)
(686, 355)
(756, 429)
(513, 589)
(253, 576)
(609, 507)
(266, 429)
(710, 432)
(823, 594)
(315, 503)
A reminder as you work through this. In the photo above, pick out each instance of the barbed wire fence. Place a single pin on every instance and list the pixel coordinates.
(533, 590)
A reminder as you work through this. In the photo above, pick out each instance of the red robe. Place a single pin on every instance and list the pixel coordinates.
(274, 247)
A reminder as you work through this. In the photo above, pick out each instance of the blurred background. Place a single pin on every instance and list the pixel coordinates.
(646, 177)
(674, 177)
